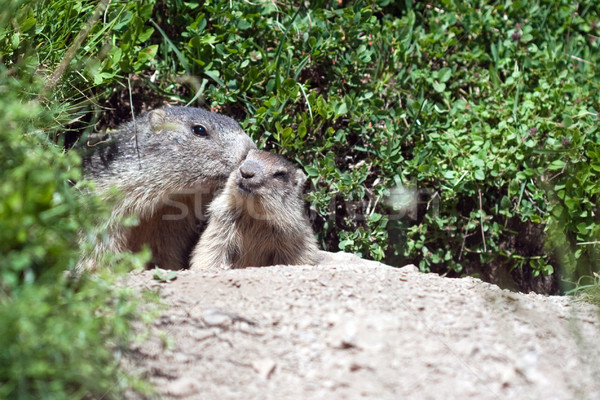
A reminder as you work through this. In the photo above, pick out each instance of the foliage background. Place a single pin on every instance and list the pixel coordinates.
(460, 136)
(487, 110)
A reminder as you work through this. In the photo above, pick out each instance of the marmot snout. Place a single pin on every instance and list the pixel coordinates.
(249, 176)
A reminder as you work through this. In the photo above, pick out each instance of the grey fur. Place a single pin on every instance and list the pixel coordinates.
(258, 219)
(166, 174)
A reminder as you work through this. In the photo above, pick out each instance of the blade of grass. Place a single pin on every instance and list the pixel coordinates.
(280, 47)
(174, 48)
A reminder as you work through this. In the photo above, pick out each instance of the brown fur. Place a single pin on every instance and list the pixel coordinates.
(166, 170)
(258, 219)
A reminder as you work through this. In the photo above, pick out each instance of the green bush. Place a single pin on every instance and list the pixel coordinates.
(60, 336)
(487, 110)
(482, 114)
(508, 132)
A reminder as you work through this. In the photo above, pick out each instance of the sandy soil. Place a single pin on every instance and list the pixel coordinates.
(351, 329)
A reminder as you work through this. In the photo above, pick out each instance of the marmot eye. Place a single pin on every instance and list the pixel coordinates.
(199, 130)
(280, 174)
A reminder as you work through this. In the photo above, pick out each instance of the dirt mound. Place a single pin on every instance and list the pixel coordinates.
(358, 329)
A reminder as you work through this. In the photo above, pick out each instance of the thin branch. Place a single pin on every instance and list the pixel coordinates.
(137, 148)
(462, 246)
(580, 59)
(481, 219)
(562, 171)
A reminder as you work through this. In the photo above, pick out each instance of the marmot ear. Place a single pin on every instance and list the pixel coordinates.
(300, 178)
(156, 118)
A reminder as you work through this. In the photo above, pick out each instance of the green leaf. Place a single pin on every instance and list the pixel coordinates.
(311, 171)
(556, 165)
(439, 87)
(449, 174)
(346, 243)
(214, 75)
(172, 275)
(341, 109)
(444, 74)
(147, 54)
(27, 24)
(302, 130)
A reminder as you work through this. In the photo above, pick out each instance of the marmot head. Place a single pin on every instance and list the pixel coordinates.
(169, 150)
(269, 186)
(199, 145)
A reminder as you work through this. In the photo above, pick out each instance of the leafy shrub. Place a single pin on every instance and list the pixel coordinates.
(60, 341)
(483, 115)
(509, 136)
(60, 337)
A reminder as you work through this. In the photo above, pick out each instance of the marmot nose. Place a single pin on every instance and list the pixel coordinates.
(249, 169)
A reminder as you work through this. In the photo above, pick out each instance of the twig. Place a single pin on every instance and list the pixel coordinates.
(562, 171)
(135, 131)
(580, 59)
(436, 194)
(106, 11)
(481, 219)
(462, 246)
(533, 203)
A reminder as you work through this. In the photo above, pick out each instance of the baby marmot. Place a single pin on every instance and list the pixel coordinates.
(258, 219)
